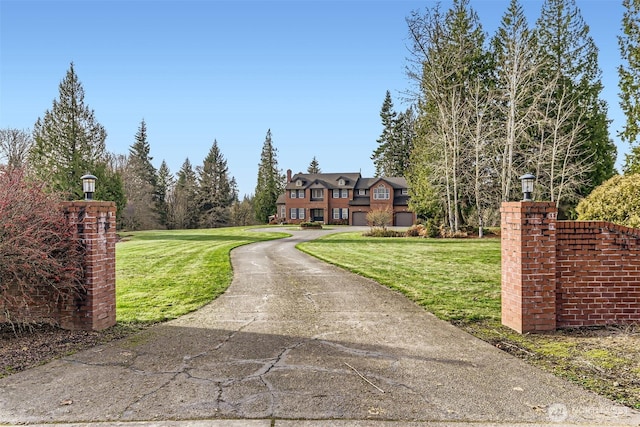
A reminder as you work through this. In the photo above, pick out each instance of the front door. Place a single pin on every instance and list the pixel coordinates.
(317, 215)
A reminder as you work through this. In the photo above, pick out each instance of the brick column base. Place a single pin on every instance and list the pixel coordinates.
(529, 266)
(96, 228)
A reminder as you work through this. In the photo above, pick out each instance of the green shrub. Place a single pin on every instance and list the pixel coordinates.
(310, 225)
(383, 232)
(616, 200)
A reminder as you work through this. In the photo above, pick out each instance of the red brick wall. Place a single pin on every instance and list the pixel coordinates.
(598, 271)
(95, 307)
(566, 273)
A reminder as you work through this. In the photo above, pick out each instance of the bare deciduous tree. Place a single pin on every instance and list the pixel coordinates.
(14, 147)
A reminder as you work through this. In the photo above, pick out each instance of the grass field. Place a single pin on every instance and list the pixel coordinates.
(459, 281)
(161, 275)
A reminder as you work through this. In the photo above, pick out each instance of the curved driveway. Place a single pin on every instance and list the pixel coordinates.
(296, 339)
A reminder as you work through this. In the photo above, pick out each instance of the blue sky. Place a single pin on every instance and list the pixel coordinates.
(315, 72)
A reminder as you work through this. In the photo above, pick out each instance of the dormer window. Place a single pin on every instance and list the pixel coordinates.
(299, 183)
(341, 181)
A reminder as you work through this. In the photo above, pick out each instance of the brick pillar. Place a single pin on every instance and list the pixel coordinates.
(96, 228)
(529, 266)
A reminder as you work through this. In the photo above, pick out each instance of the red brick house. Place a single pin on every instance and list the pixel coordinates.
(342, 198)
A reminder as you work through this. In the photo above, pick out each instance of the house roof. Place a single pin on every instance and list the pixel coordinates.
(323, 180)
(396, 182)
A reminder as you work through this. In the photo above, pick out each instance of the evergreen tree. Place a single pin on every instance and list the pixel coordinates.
(141, 212)
(234, 189)
(314, 166)
(68, 141)
(184, 206)
(382, 154)
(215, 194)
(518, 86)
(400, 151)
(164, 188)
(629, 84)
(270, 183)
(573, 60)
(110, 186)
(140, 158)
(391, 157)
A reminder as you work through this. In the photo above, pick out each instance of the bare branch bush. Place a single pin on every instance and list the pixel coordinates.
(40, 255)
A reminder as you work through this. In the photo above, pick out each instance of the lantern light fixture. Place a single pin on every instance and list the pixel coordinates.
(527, 186)
(88, 186)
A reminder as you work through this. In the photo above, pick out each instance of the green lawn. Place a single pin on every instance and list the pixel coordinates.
(456, 279)
(161, 275)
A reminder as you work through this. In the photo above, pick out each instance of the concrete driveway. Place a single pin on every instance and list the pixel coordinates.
(295, 341)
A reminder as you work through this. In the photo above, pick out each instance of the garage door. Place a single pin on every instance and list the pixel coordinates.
(359, 218)
(404, 219)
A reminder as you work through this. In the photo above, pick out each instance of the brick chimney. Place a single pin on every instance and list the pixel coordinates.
(288, 175)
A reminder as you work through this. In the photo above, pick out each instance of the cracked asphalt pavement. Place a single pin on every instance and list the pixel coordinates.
(295, 341)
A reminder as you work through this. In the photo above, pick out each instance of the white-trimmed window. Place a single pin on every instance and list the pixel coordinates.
(283, 212)
(296, 213)
(300, 194)
(362, 192)
(340, 213)
(299, 183)
(341, 181)
(336, 193)
(405, 191)
(381, 193)
(344, 193)
(294, 194)
(317, 194)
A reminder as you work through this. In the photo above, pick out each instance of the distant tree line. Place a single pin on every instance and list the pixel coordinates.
(68, 142)
(484, 111)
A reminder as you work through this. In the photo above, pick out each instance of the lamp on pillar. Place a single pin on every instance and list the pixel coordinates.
(88, 186)
(527, 186)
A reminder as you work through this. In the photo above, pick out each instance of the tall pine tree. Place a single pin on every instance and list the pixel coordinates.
(579, 114)
(314, 166)
(270, 183)
(629, 74)
(184, 206)
(164, 189)
(518, 85)
(141, 189)
(68, 141)
(215, 193)
(382, 157)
